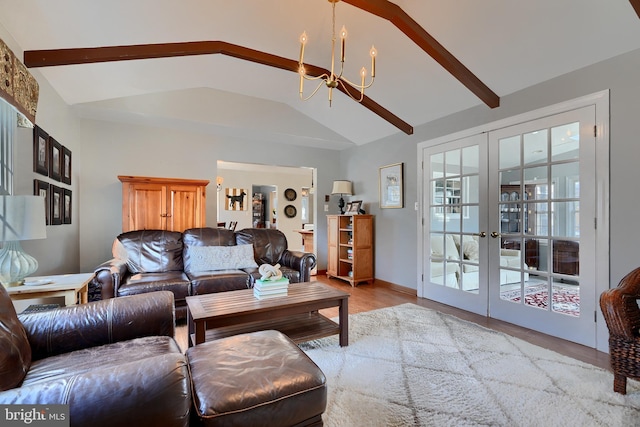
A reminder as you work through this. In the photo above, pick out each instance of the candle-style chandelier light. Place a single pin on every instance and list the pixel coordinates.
(332, 79)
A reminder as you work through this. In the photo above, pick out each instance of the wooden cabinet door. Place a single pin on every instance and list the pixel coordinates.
(171, 204)
(333, 249)
(146, 207)
(362, 248)
(185, 207)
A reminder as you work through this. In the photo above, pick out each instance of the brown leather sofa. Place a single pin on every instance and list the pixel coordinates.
(114, 362)
(153, 260)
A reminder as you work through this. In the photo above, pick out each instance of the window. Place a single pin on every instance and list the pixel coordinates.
(8, 123)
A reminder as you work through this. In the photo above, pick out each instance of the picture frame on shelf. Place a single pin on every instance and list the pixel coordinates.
(65, 166)
(55, 158)
(41, 188)
(40, 151)
(353, 208)
(56, 206)
(66, 206)
(391, 185)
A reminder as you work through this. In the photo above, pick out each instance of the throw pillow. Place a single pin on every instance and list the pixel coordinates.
(212, 258)
(470, 249)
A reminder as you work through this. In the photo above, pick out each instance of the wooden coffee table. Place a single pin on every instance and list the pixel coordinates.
(222, 314)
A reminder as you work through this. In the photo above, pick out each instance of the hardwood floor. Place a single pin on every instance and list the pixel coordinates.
(368, 297)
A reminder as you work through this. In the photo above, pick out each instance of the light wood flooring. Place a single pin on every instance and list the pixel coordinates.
(366, 297)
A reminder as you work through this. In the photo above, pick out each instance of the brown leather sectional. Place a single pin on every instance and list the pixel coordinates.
(153, 260)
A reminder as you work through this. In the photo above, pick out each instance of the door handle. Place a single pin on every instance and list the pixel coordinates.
(495, 234)
(480, 234)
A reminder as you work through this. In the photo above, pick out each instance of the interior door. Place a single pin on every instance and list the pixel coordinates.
(454, 234)
(542, 233)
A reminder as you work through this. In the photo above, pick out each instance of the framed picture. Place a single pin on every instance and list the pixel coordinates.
(391, 186)
(41, 188)
(40, 151)
(66, 166)
(66, 206)
(236, 199)
(55, 158)
(353, 208)
(55, 207)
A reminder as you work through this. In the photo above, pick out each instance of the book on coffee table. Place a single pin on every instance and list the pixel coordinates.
(270, 288)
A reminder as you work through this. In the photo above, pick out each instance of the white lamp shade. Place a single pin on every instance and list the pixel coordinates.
(22, 218)
(342, 187)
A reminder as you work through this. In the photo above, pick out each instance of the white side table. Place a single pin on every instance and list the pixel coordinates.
(73, 287)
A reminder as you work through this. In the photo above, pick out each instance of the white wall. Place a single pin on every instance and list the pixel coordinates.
(59, 252)
(396, 236)
(112, 149)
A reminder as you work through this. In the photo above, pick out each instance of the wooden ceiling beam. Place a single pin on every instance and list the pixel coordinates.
(398, 17)
(76, 56)
(636, 6)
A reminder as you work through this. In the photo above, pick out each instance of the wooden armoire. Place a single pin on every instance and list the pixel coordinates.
(172, 204)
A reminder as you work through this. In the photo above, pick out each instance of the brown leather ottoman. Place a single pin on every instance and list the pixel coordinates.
(256, 379)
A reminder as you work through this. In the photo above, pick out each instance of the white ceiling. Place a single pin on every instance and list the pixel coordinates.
(509, 45)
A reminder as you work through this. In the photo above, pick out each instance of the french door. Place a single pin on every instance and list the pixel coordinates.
(508, 232)
(542, 207)
(454, 240)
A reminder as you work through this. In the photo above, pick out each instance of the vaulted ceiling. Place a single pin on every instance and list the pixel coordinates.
(435, 58)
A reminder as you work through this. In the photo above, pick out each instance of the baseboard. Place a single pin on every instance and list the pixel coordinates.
(385, 284)
(394, 287)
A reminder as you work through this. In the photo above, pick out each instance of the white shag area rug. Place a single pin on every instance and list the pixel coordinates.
(412, 366)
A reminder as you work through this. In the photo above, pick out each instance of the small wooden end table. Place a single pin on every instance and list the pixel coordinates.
(73, 287)
(222, 314)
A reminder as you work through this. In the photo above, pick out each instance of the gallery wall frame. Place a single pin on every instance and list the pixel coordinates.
(55, 159)
(41, 188)
(67, 201)
(56, 204)
(40, 151)
(391, 185)
(65, 166)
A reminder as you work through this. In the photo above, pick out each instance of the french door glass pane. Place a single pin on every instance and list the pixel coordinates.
(452, 165)
(565, 142)
(535, 147)
(534, 175)
(566, 180)
(470, 156)
(510, 152)
(566, 219)
(470, 189)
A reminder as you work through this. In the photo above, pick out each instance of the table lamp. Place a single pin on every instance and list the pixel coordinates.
(342, 187)
(21, 218)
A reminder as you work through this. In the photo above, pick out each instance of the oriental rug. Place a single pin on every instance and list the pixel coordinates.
(565, 299)
(411, 366)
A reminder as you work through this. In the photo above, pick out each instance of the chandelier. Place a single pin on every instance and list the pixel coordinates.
(332, 80)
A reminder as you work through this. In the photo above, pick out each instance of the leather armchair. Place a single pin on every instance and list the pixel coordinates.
(114, 362)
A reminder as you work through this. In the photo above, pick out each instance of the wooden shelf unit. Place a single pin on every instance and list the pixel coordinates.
(350, 252)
